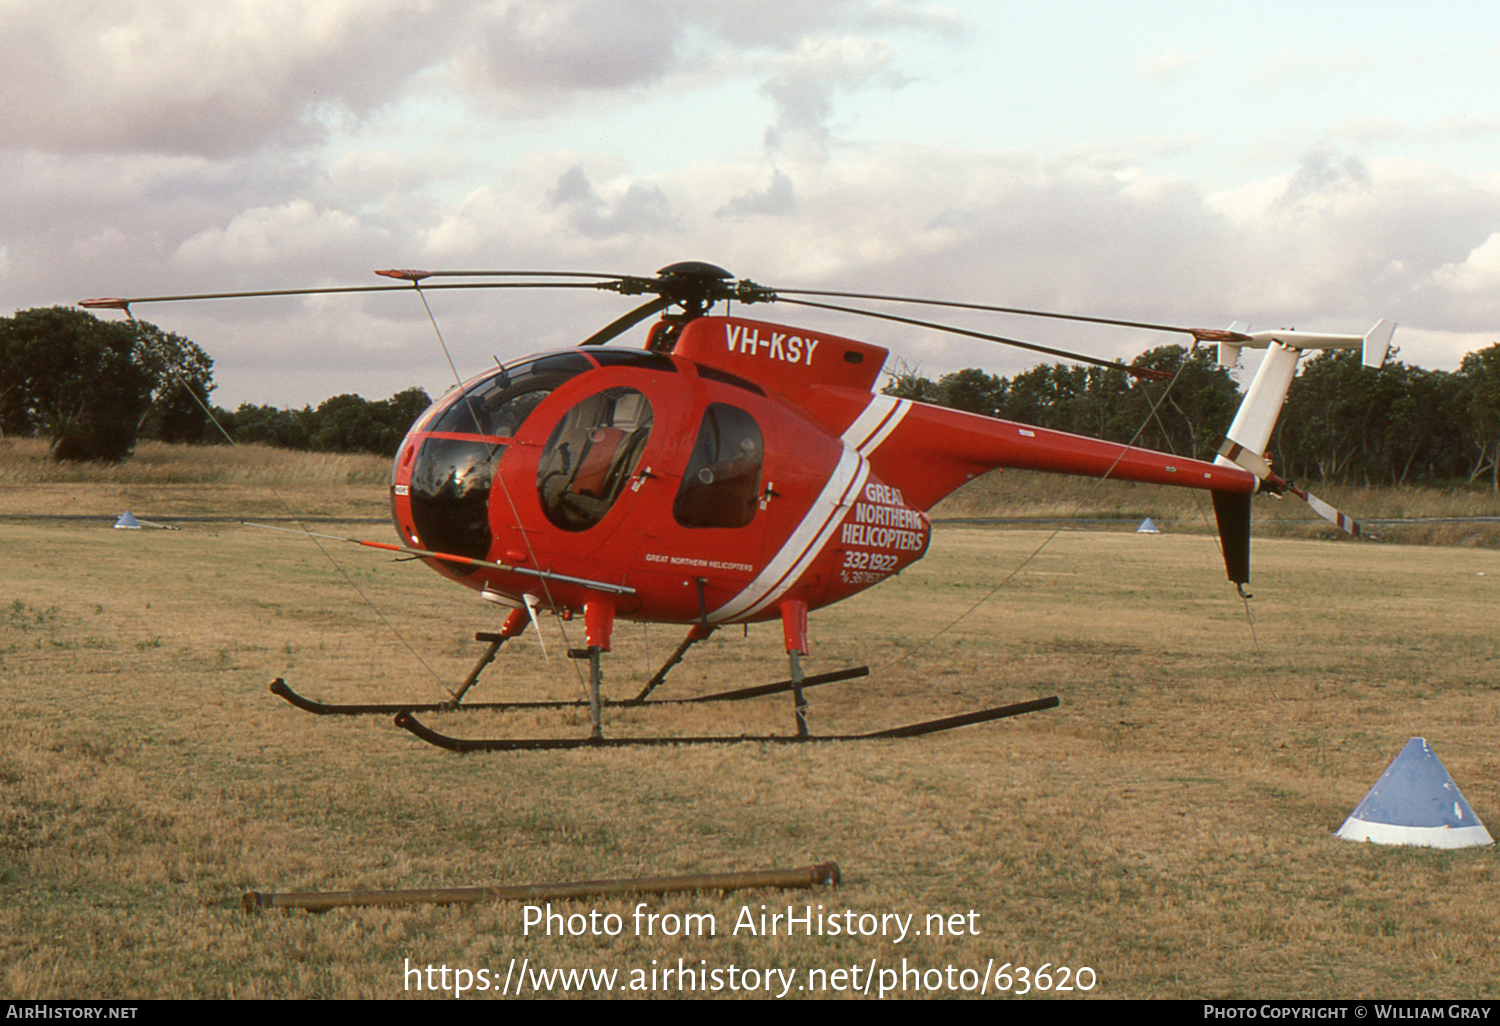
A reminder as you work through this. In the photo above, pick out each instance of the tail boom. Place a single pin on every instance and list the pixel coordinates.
(934, 450)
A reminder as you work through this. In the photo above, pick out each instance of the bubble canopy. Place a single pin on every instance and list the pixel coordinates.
(467, 433)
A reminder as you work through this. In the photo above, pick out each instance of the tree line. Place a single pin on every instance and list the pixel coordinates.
(95, 387)
(1342, 422)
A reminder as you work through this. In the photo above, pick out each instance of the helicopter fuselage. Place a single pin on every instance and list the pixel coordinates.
(750, 467)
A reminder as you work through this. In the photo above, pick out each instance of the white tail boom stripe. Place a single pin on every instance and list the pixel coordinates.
(876, 423)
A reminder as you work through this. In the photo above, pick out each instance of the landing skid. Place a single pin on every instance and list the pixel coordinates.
(284, 690)
(407, 721)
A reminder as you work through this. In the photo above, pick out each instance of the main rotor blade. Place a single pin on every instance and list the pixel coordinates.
(126, 303)
(407, 274)
(627, 321)
(1139, 372)
(1202, 334)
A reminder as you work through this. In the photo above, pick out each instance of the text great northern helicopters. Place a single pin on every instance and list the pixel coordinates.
(735, 471)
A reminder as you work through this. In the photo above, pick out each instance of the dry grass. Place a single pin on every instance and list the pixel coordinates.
(1025, 494)
(1170, 825)
(165, 481)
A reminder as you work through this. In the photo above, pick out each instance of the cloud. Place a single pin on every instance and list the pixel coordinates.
(276, 237)
(528, 58)
(1478, 272)
(641, 208)
(779, 199)
(1321, 176)
(183, 77)
(535, 48)
(167, 146)
(1394, 240)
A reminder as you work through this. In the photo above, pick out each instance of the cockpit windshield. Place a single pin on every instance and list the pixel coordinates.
(455, 467)
(586, 462)
(496, 405)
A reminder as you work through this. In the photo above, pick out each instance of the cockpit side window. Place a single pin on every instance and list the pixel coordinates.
(721, 487)
(590, 456)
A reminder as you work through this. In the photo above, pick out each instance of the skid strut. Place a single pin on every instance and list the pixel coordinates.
(514, 624)
(696, 634)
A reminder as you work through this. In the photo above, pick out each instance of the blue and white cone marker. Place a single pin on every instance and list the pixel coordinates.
(1415, 801)
(1148, 526)
(127, 522)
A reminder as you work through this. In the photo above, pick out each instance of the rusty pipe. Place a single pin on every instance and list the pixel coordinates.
(824, 874)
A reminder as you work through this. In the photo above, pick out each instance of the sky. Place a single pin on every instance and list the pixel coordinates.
(1318, 166)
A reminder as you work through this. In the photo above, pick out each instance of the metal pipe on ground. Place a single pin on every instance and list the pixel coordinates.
(824, 874)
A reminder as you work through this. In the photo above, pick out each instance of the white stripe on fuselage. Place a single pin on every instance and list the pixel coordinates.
(812, 535)
(877, 421)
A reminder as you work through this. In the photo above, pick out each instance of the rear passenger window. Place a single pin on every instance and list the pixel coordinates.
(722, 485)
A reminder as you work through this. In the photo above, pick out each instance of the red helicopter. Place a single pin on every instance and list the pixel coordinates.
(735, 471)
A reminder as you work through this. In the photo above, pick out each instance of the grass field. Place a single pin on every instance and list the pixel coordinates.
(1169, 826)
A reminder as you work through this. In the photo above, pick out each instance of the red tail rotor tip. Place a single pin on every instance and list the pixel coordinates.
(406, 274)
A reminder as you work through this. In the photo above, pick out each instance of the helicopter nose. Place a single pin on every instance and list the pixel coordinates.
(449, 495)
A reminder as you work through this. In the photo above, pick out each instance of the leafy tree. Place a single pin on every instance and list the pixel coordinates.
(182, 378)
(343, 423)
(348, 423)
(405, 407)
(81, 383)
(1479, 376)
(1044, 396)
(1187, 416)
(973, 391)
(90, 385)
(285, 429)
(1341, 421)
(1080, 400)
(1350, 423)
(1423, 436)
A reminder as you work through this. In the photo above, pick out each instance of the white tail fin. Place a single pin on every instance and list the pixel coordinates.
(1245, 445)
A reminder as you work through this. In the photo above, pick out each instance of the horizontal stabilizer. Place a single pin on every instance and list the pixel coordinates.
(1377, 343)
(1374, 345)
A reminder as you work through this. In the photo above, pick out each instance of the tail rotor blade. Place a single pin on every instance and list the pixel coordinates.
(1261, 468)
(1344, 523)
